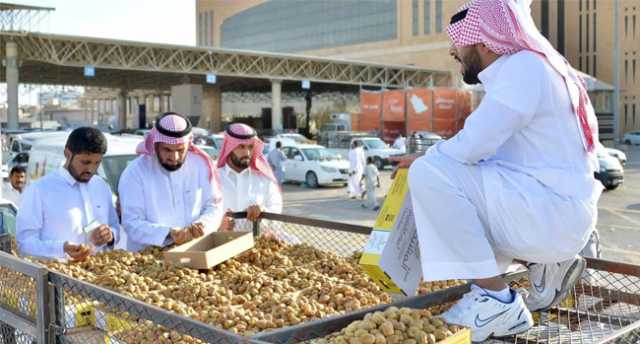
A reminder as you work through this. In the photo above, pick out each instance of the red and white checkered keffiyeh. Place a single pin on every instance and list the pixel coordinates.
(174, 123)
(506, 27)
(238, 133)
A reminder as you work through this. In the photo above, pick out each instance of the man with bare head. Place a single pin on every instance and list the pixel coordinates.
(170, 193)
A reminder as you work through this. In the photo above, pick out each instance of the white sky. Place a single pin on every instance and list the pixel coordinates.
(159, 21)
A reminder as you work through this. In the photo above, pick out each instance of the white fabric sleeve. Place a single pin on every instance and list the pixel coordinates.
(273, 201)
(29, 224)
(506, 109)
(134, 220)
(213, 207)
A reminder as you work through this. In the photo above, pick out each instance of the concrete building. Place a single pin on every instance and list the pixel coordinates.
(412, 32)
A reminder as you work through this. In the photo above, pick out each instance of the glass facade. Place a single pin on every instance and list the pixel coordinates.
(293, 26)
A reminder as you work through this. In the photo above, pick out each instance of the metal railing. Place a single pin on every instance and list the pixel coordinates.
(42, 306)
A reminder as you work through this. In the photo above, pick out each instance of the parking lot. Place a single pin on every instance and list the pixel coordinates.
(618, 223)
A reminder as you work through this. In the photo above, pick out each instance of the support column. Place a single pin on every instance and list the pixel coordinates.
(12, 85)
(276, 107)
(212, 108)
(122, 109)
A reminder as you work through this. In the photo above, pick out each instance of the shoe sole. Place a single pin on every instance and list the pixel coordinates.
(570, 279)
(511, 332)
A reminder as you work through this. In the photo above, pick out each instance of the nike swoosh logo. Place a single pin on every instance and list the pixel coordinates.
(483, 322)
(540, 287)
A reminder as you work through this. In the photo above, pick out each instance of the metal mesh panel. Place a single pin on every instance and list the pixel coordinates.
(18, 293)
(89, 314)
(342, 240)
(11, 335)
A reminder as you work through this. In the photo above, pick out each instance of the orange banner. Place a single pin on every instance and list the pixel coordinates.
(393, 109)
(370, 110)
(419, 111)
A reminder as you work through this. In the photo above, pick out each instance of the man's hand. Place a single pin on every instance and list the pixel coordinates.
(253, 213)
(404, 161)
(101, 235)
(77, 252)
(196, 229)
(228, 222)
(181, 236)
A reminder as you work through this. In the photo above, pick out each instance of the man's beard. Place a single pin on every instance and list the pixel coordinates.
(170, 168)
(239, 163)
(471, 68)
(79, 177)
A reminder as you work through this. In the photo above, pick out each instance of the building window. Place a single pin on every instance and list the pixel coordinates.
(633, 70)
(580, 33)
(595, 65)
(587, 4)
(626, 115)
(594, 33)
(561, 26)
(626, 71)
(587, 31)
(594, 5)
(587, 64)
(580, 63)
(427, 16)
(626, 26)
(205, 36)
(580, 5)
(210, 28)
(633, 111)
(416, 17)
(438, 15)
(318, 25)
(199, 25)
(634, 26)
(544, 26)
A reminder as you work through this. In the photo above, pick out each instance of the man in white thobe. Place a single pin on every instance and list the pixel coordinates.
(276, 160)
(169, 194)
(400, 143)
(12, 190)
(517, 181)
(69, 213)
(357, 163)
(248, 183)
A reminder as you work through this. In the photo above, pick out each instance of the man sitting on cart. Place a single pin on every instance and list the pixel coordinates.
(516, 183)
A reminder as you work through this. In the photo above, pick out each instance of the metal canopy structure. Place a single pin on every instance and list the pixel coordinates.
(59, 60)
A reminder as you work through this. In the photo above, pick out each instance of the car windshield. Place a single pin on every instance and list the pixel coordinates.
(375, 144)
(113, 167)
(319, 154)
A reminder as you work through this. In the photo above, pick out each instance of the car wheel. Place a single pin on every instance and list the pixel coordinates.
(627, 142)
(311, 179)
(612, 187)
(379, 163)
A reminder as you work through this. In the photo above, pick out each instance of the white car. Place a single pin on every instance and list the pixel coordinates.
(618, 154)
(315, 165)
(632, 138)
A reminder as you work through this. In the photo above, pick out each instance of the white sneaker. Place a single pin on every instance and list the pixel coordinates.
(551, 283)
(487, 316)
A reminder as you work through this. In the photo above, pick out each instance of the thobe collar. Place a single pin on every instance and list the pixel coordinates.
(490, 73)
(230, 171)
(67, 177)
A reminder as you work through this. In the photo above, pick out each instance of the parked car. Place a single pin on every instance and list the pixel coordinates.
(48, 155)
(632, 138)
(21, 145)
(618, 154)
(315, 165)
(419, 142)
(611, 173)
(8, 213)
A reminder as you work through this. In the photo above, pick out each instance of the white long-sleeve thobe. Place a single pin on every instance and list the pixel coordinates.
(357, 163)
(56, 208)
(515, 182)
(247, 188)
(154, 200)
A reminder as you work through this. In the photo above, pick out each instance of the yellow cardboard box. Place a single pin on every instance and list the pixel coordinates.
(391, 257)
